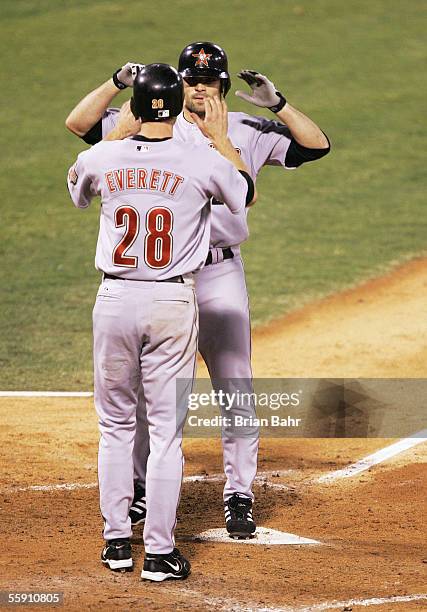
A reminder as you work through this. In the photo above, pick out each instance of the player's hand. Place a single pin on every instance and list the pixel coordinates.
(126, 124)
(215, 123)
(125, 76)
(264, 92)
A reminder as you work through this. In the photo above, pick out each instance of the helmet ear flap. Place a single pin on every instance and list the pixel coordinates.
(225, 86)
(133, 109)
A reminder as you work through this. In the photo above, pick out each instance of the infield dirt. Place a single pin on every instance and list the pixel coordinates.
(371, 526)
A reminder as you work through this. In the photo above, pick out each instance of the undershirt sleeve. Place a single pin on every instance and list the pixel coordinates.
(94, 135)
(251, 186)
(297, 154)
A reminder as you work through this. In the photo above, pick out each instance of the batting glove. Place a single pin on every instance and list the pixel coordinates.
(264, 92)
(125, 76)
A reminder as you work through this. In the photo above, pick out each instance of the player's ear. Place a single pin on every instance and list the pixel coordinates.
(132, 108)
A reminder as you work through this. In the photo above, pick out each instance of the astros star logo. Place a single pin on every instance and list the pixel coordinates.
(202, 58)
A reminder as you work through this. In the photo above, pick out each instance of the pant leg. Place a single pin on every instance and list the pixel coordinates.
(171, 354)
(225, 345)
(116, 352)
(141, 448)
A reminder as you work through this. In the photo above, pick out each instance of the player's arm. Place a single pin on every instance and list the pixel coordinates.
(89, 111)
(302, 128)
(309, 141)
(215, 127)
(81, 181)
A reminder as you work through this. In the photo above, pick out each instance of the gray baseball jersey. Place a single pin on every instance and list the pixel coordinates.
(259, 141)
(154, 226)
(224, 335)
(155, 212)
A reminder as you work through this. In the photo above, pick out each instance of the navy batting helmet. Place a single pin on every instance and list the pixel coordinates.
(205, 59)
(158, 93)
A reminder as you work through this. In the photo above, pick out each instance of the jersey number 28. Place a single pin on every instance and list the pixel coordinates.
(158, 238)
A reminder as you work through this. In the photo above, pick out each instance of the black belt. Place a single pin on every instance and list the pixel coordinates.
(173, 279)
(226, 254)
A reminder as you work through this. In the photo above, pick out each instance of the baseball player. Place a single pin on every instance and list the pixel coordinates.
(154, 233)
(289, 141)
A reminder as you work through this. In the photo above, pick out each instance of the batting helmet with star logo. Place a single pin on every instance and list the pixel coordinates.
(205, 59)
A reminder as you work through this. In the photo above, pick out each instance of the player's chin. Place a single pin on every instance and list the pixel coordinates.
(197, 109)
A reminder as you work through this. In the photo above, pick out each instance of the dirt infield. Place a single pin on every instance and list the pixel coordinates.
(371, 526)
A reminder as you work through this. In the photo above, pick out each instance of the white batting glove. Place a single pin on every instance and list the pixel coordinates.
(264, 92)
(125, 76)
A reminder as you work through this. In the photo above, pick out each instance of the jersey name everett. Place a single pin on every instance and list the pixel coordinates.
(259, 141)
(155, 209)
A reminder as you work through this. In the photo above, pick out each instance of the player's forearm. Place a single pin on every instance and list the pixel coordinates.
(302, 128)
(90, 110)
(118, 132)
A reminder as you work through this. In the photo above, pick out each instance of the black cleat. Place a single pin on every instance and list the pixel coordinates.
(138, 510)
(117, 555)
(162, 567)
(238, 517)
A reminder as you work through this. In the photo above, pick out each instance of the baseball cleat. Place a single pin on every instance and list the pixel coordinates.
(162, 567)
(138, 510)
(117, 555)
(238, 517)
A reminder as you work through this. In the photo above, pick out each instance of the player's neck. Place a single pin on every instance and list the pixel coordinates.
(187, 115)
(156, 130)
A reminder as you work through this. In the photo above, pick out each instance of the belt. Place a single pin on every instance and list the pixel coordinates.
(226, 253)
(173, 279)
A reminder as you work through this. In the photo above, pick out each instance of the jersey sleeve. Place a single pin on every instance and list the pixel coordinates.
(109, 120)
(81, 181)
(227, 184)
(273, 145)
(270, 142)
(102, 127)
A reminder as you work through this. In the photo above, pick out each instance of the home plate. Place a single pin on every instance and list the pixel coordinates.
(263, 535)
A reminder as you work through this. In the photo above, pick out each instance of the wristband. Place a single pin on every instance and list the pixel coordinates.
(116, 81)
(281, 103)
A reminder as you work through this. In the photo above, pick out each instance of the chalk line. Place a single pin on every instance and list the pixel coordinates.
(225, 603)
(372, 601)
(378, 457)
(73, 486)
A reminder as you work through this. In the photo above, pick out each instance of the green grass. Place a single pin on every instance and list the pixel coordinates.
(356, 67)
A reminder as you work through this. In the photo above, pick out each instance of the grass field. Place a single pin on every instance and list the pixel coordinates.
(356, 67)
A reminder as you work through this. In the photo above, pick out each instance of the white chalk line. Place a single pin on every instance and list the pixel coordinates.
(352, 470)
(373, 601)
(74, 486)
(360, 466)
(46, 394)
(224, 603)
(378, 457)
